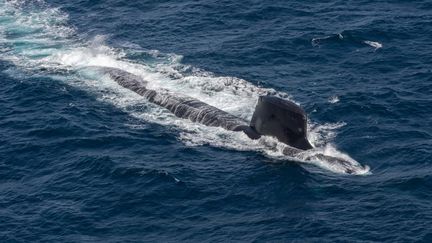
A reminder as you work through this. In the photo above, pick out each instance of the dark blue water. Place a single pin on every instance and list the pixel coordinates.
(83, 160)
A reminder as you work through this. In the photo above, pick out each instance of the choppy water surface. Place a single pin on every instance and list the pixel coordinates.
(83, 159)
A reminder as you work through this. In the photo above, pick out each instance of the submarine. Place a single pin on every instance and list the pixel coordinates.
(273, 116)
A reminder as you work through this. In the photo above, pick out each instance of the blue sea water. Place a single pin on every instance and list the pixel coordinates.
(84, 160)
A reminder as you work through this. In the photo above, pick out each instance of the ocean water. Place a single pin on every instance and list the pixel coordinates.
(84, 160)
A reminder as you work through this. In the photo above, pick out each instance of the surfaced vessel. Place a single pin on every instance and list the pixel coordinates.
(273, 116)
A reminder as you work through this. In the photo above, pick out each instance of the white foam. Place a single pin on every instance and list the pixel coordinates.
(46, 41)
(326, 163)
(374, 44)
(333, 99)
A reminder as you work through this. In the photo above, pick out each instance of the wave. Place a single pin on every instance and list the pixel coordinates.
(345, 37)
(374, 44)
(38, 40)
